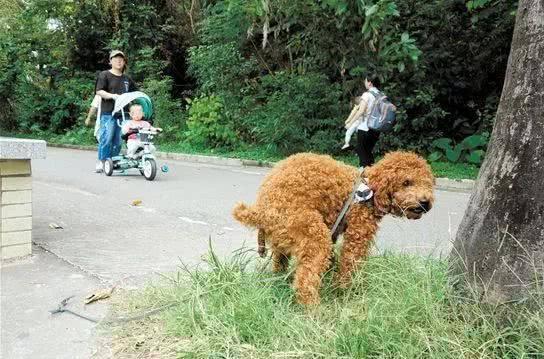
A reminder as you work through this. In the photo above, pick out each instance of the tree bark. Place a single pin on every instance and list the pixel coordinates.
(500, 243)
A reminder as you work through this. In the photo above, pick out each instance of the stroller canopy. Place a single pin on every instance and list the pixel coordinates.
(137, 97)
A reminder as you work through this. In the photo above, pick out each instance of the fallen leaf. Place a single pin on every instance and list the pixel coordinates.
(98, 295)
(55, 226)
(136, 202)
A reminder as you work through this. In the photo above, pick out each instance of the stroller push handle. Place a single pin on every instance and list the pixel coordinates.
(150, 131)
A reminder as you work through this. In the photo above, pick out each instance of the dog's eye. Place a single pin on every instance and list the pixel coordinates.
(407, 183)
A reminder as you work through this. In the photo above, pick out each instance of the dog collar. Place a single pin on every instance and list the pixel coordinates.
(363, 193)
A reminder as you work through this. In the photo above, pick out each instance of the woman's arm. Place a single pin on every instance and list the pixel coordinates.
(106, 95)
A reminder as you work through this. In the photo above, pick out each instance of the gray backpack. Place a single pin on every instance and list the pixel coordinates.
(383, 113)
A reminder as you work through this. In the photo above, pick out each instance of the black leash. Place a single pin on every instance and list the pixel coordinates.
(62, 309)
(63, 304)
(347, 203)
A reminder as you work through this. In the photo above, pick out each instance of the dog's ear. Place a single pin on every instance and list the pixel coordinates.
(378, 180)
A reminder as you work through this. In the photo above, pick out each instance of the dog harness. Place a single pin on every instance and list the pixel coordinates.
(361, 193)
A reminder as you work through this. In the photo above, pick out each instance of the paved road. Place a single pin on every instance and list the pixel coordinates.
(105, 240)
(180, 211)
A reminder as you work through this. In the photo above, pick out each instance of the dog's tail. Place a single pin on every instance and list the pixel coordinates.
(247, 215)
(251, 217)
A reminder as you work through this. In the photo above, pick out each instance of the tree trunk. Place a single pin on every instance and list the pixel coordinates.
(500, 242)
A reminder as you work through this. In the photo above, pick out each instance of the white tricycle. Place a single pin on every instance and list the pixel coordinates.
(143, 159)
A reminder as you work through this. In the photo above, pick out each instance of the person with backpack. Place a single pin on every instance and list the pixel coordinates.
(375, 114)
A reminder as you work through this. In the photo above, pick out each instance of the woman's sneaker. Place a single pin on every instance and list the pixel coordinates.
(99, 167)
(346, 145)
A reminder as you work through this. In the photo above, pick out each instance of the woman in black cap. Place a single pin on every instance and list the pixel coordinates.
(109, 85)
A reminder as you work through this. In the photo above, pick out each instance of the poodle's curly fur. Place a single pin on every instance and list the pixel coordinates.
(300, 199)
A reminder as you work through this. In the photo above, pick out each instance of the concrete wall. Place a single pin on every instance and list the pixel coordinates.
(15, 208)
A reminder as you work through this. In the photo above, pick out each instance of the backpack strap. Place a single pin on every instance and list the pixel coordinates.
(376, 99)
(379, 93)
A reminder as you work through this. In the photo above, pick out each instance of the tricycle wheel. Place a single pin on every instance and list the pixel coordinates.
(108, 167)
(150, 169)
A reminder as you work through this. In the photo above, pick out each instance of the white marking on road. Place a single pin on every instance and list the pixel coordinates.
(67, 188)
(248, 172)
(189, 220)
(228, 229)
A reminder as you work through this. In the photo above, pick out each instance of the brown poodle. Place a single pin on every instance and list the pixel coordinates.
(300, 199)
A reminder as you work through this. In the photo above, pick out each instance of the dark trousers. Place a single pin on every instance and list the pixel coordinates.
(366, 140)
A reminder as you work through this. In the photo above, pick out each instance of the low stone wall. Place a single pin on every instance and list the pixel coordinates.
(16, 200)
(16, 195)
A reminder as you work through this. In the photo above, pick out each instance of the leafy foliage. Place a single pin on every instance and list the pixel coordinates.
(293, 113)
(50, 60)
(282, 72)
(471, 149)
(218, 67)
(42, 105)
(207, 124)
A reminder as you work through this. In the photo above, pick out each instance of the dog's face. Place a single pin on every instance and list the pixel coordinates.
(403, 184)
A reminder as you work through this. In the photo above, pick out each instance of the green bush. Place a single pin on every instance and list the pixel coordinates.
(207, 124)
(418, 120)
(471, 149)
(219, 67)
(295, 112)
(9, 68)
(167, 110)
(146, 65)
(467, 70)
(41, 104)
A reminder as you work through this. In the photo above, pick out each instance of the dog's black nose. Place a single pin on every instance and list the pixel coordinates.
(426, 205)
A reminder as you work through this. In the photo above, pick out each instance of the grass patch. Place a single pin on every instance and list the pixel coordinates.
(83, 136)
(399, 306)
(455, 170)
(248, 153)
